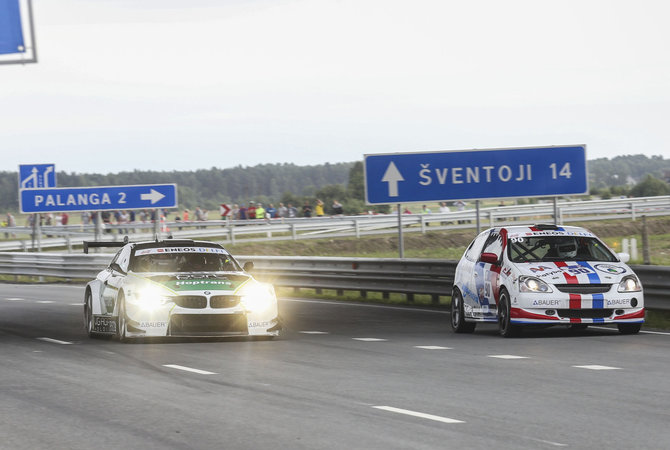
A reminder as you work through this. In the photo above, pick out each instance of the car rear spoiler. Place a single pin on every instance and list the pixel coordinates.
(99, 244)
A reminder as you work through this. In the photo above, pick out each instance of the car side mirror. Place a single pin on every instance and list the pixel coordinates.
(115, 267)
(623, 257)
(248, 266)
(490, 258)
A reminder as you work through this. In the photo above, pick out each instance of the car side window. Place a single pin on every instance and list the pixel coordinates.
(115, 258)
(494, 244)
(124, 258)
(472, 253)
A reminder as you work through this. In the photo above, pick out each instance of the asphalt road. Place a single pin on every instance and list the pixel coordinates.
(342, 376)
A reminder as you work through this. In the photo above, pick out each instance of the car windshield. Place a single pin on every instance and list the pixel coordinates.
(182, 262)
(558, 248)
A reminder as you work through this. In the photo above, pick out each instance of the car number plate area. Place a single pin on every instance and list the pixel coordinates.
(104, 324)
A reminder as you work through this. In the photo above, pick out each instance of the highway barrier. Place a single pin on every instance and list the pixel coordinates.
(432, 277)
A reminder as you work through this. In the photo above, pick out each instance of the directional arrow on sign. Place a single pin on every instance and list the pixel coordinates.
(392, 176)
(153, 195)
(225, 209)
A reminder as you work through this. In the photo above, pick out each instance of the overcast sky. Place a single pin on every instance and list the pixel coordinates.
(187, 84)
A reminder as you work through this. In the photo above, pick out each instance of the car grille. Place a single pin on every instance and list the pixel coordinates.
(584, 313)
(583, 288)
(191, 301)
(224, 301)
(207, 324)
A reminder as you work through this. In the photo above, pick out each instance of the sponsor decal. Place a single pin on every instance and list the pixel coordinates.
(507, 271)
(576, 270)
(153, 251)
(610, 268)
(551, 233)
(153, 324)
(259, 324)
(540, 269)
(546, 302)
(202, 285)
(618, 302)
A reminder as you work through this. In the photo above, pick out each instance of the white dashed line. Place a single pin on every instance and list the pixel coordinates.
(76, 304)
(45, 301)
(54, 341)
(418, 414)
(14, 299)
(313, 332)
(597, 367)
(369, 339)
(508, 357)
(189, 369)
(432, 347)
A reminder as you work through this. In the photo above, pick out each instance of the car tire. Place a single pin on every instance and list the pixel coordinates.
(505, 326)
(122, 321)
(88, 315)
(458, 323)
(629, 328)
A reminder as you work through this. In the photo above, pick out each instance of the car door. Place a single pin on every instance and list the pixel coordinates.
(465, 273)
(487, 275)
(113, 279)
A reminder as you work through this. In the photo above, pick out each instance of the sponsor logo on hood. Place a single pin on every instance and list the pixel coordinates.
(610, 268)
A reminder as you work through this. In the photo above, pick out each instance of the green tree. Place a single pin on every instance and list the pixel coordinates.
(650, 187)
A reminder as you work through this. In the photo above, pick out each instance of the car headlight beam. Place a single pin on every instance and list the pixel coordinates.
(629, 284)
(258, 297)
(151, 298)
(532, 284)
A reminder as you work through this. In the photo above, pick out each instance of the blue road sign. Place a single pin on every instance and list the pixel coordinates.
(11, 31)
(35, 176)
(98, 198)
(476, 174)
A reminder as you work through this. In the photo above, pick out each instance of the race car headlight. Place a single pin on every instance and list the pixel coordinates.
(258, 297)
(151, 298)
(532, 284)
(629, 284)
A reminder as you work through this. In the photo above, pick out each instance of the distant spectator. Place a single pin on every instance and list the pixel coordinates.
(407, 211)
(243, 212)
(425, 209)
(292, 211)
(85, 217)
(282, 211)
(271, 211)
(260, 211)
(337, 208)
(235, 212)
(185, 217)
(307, 209)
(64, 218)
(251, 210)
(318, 209)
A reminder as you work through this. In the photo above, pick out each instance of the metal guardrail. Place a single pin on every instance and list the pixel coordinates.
(433, 277)
(234, 231)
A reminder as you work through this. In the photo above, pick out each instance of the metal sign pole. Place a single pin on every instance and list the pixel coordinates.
(401, 245)
(555, 211)
(478, 224)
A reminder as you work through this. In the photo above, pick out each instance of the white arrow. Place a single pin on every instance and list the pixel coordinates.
(392, 176)
(154, 196)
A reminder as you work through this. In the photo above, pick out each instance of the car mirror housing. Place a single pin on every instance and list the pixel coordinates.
(490, 258)
(623, 257)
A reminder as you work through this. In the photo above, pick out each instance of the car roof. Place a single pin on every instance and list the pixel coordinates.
(175, 243)
(547, 230)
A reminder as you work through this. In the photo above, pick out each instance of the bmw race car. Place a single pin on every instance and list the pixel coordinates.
(544, 275)
(177, 288)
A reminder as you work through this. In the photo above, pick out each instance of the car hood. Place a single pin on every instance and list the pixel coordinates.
(182, 283)
(572, 272)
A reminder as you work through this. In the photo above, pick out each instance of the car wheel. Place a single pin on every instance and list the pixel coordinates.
(629, 328)
(122, 327)
(88, 315)
(458, 323)
(505, 326)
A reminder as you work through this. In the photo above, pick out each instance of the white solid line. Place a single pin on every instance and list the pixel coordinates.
(189, 369)
(555, 444)
(369, 339)
(418, 414)
(432, 347)
(44, 301)
(641, 331)
(313, 332)
(76, 304)
(54, 341)
(508, 357)
(15, 299)
(597, 367)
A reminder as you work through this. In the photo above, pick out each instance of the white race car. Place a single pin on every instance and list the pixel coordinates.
(544, 275)
(177, 288)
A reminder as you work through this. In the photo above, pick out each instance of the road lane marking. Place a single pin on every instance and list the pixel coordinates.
(76, 304)
(597, 367)
(313, 332)
(369, 339)
(641, 331)
(189, 369)
(418, 414)
(432, 347)
(555, 444)
(54, 341)
(508, 357)
(15, 299)
(45, 301)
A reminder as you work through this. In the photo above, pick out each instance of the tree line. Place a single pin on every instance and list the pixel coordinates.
(636, 175)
